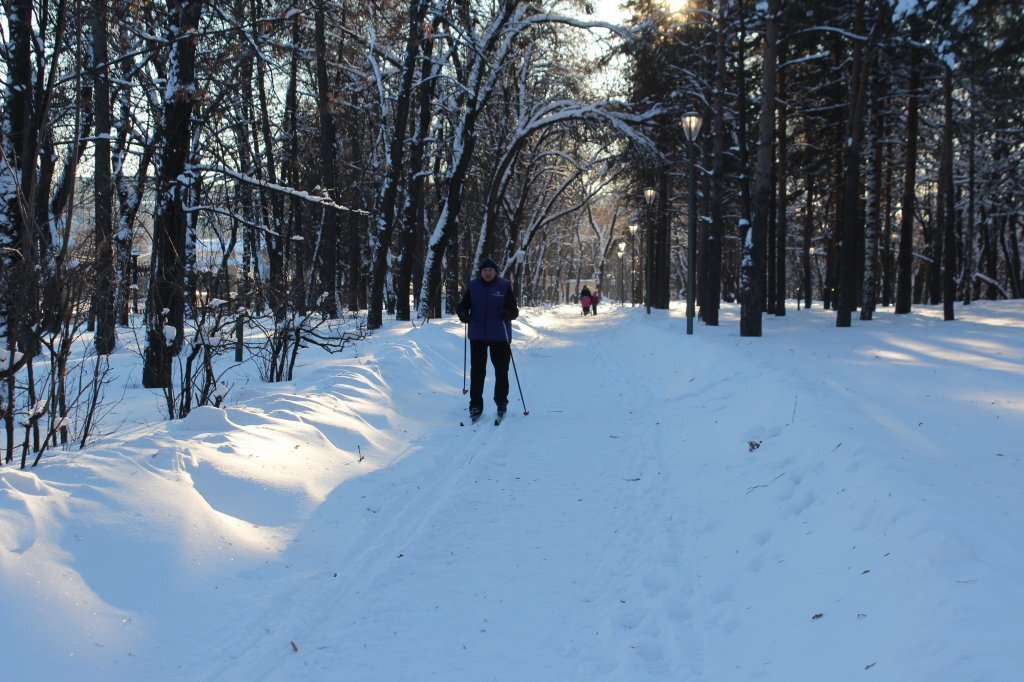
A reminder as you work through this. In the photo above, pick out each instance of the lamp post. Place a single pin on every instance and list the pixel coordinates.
(622, 280)
(649, 195)
(691, 128)
(632, 265)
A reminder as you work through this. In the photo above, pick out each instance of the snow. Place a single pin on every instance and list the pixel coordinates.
(818, 503)
(8, 358)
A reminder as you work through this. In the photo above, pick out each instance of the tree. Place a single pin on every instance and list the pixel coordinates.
(165, 309)
(752, 278)
(104, 191)
(381, 235)
(328, 159)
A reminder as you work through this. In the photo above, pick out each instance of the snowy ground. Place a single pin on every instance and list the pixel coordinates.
(817, 504)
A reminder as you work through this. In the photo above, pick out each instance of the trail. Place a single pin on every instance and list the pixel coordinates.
(839, 503)
(532, 533)
(653, 515)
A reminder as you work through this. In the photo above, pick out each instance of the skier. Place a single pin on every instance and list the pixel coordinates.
(595, 298)
(488, 306)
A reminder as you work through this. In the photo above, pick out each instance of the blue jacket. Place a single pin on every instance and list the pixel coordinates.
(481, 303)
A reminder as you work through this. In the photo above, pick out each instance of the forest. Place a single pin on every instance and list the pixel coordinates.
(231, 181)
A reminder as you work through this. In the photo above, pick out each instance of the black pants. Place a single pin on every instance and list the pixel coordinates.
(500, 355)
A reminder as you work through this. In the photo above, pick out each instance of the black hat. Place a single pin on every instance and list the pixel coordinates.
(488, 263)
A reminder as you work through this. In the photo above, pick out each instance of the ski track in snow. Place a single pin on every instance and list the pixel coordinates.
(672, 508)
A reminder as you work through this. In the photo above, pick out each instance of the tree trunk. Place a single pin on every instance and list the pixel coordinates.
(873, 221)
(661, 245)
(781, 203)
(904, 288)
(752, 277)
(771, 240)
(303, 289)
(477, 91)
(16, 241)
(1013, 260)
(852, 228)
(742, 130)
(968, 284)
(166, 306)
(413, 223)
(808, 284)
(949, 204)
(712, 260)
(988, 247)
(328, 179)
(381, 235)
(888, 236)
(105, 338)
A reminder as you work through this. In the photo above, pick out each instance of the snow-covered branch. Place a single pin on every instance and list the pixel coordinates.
(319, 199)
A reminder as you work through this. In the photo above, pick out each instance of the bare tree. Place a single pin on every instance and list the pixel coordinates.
(104, 192)
(165, 309)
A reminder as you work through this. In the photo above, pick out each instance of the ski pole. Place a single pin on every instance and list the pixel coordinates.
(465, 344)
(513, 359)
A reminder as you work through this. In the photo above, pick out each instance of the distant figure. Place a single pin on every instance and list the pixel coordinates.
(585, 300)
(595, 298)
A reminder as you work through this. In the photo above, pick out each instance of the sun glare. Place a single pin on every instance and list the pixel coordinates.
(675, 6)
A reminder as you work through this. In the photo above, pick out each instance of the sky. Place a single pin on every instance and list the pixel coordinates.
(609, 10)
(815, 504)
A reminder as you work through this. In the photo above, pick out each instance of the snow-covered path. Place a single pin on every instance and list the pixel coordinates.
(558, 542)
(658, 515)
(816, 504)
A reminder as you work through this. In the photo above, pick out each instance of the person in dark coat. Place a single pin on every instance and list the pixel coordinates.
(488, 306)
(585, 299)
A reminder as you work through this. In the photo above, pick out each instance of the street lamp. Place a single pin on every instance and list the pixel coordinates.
(622, 280)
(691, 128)
(632, 265)
(649, 195)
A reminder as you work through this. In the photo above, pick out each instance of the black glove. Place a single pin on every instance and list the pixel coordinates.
(463, 316)
(503, 314)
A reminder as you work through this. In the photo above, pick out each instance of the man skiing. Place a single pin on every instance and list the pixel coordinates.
(488, 306)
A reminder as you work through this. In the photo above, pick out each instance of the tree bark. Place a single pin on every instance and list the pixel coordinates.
(328, 175)
(105, 338)
(949, 204)
(873, 221)
(904, 288)
(808, 284)
(166, 304)
(752, 266)
(968, 284)
(781, 202)
(712, 296)
(852, 229)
